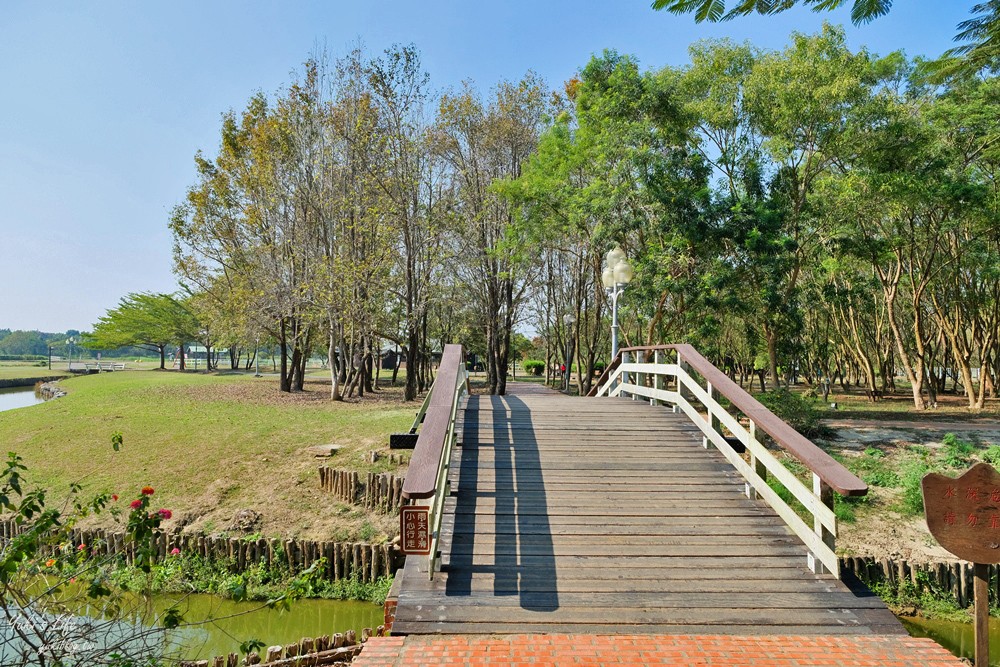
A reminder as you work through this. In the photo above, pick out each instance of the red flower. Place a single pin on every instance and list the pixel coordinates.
(136, 504)
(81, 547)
(174, 551)
(114, 497)
(147, 490)
(165, 514)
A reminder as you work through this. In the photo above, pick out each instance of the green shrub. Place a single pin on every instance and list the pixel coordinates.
(956, 453)
(534, 366)
(992, 455)
(911, 474)
(871, 467)
(797, 411)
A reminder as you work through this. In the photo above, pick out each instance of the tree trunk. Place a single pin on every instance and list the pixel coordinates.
(284, 381)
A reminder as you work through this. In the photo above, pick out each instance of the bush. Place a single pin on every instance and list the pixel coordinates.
(992, 455)
(797, 411)
(911, 475)
(534, 366)
(957, 453)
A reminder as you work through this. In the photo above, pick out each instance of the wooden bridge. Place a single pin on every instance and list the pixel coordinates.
(643, 509)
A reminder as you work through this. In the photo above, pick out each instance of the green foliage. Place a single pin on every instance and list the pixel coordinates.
(956, 453)
(992, 455)
(183, 573)
(874, 470)
(924, 595)
(151, 321)
(911, 474)
(534, 366)
(798, 412)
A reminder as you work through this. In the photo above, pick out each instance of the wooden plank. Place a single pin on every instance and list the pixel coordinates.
(812, 600)
(549, 526)
(406, 627)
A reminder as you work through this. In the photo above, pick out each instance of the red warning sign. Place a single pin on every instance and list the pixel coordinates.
(415, 529)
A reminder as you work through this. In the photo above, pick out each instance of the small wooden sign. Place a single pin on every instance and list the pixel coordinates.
(415, 530)
(963, 515)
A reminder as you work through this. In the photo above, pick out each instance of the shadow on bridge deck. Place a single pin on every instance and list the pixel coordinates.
(580, 515)
(524, 560)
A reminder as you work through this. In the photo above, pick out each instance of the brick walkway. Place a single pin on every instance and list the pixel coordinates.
(682, 650)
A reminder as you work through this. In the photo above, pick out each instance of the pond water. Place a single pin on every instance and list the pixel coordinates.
(18, 397)
(239, 621)
(959, 638)
(227, 624)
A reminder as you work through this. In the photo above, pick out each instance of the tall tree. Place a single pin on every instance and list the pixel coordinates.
(152, 321)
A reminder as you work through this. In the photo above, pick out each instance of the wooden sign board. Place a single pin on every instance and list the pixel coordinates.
(963, 514)
(415, 530)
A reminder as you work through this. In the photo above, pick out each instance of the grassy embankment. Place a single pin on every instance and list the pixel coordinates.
(29, 370)
(211, 445)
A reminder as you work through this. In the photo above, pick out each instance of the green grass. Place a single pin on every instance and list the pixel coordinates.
(25, 370)
(210, 445)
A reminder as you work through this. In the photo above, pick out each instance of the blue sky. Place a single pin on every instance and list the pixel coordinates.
(103, 105)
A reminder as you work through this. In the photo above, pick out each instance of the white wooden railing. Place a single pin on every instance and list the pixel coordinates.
(664, 374)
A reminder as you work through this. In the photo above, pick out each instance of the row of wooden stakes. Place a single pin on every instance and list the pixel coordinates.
(382, 492)
(308, 652)
(953, 577)
(367, 562)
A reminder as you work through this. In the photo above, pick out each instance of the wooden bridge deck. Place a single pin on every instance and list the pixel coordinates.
(606, 516)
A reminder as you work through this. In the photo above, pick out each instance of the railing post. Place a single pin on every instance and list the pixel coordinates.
(755, 463)
(640, 378)
(657, 378)
(710, 419)
(626, 358)
(825, 495)
(677, 379)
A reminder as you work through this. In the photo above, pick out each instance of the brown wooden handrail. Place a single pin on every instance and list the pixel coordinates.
(839, 478)
(422, 474)
(612, 367)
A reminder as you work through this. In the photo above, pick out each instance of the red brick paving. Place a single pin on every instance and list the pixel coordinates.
(600, 650)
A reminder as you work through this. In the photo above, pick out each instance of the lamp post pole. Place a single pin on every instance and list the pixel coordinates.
(69, 344)
(568, 320)
(256, 357)
(615, 292)
(616, 276)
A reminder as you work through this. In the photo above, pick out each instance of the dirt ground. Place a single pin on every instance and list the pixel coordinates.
(881, 531)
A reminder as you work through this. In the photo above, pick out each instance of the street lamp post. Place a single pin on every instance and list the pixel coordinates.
(69, 344)
(568, 320)
(256, 357)
(616, 276)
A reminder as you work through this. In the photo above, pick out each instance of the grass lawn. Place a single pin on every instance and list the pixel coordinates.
(210, 445)
(28, 369)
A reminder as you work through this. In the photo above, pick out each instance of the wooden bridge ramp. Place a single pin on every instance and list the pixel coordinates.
(579, 515)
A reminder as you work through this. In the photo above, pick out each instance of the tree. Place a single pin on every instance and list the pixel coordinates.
(484, 144)
(980, 34)
(151, 321)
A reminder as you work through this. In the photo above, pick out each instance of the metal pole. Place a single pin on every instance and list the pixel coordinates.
(566, 374)
(50, 357)
(614, 322)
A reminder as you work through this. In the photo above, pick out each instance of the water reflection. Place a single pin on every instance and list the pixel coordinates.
(18, 397)
(959, 638)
